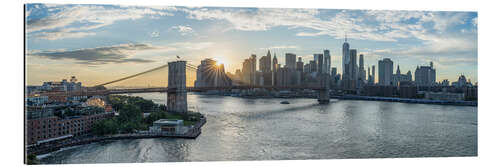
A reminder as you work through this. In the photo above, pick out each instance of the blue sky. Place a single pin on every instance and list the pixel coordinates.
(99, 42)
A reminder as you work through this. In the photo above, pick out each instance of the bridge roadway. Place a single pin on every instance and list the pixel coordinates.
(165, 89)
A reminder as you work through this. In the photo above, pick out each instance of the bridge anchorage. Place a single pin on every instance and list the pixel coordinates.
(324, 91)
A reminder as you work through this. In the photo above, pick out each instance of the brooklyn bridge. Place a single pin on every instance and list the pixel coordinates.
(176, 88)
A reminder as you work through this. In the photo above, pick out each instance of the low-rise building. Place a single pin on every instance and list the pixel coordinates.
(37, 100)
(53, 127)
(444, 96)
(168, 126)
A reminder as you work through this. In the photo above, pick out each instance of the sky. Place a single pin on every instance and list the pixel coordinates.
(99, 43)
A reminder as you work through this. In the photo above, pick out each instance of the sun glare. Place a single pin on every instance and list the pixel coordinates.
(219, 61)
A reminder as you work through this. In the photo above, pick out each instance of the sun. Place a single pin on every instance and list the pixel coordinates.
(219, 61)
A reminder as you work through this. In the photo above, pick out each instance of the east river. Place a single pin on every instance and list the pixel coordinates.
(263, 129)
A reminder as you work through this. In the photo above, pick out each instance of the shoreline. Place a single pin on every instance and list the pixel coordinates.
(192, 133)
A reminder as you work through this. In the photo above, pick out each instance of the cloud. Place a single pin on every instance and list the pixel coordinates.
(65, 20)
(60, 34)
(282, 47)
(376, 25)
(183, 30)
(100, 55)
(123, 53)
(154, 34)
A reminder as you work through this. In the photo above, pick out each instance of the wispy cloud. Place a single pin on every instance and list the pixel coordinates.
(123, 53)
(282, 47)
(100, 55)
(183, 30)
(66, 20)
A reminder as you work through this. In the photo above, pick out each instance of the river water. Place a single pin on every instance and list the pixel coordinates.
(264, 129)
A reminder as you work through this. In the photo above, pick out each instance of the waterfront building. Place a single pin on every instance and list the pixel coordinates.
(319, 60)
(63, 85)
(373, 74)
(444, 96)
(48, 128)
(313, 66)
(300, 65)
(445, 82)
(345, 60)
(265, 68)
(379, 90)
(291, 61)
(385, 71)
(398, 77)
(334, 71)
(249, 70)
(275, 69)
(169, 126)
(265, 63)
(353, 66)
(370, 77)
(353, 73)
(209, 74)
(327, 61)
(407, 89)
(461, 82)
(36, 100)
(362, 72)
(425, 75)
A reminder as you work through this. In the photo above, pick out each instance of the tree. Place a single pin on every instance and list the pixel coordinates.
(32, 160)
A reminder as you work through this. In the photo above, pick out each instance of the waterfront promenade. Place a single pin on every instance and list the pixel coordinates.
(192, 133)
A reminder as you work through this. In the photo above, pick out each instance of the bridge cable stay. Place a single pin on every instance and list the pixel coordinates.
(188, 66)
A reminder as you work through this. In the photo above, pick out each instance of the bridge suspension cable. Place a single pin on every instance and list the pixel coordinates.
(188, 66)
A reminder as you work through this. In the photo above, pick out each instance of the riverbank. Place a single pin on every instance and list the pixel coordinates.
(406, 100)
(192, 133)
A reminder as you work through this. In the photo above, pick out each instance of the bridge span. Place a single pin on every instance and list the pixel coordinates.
(176, 90)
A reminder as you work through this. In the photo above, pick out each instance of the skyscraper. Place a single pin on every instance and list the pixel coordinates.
(249, 70)
(265, 75)
(385, 71)
(345, 60)
(265, 63)
(327, 61)
(300, 65)
(373, 73)
(319, 59)
(425, 75)
(291, 60)
(253, 60)
(275, 63)
(275, 70)
(352, 65)
(362, 72)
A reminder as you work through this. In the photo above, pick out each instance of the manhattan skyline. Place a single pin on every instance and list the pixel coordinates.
(102, 42)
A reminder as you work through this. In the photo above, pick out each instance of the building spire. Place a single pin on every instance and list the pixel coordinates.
(345, 33)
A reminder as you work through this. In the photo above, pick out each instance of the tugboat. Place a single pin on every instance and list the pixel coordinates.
(285, 102)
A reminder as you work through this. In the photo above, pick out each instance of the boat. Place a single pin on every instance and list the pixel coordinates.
(285, 102)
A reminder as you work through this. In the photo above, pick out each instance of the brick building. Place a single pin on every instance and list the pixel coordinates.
(53, 126)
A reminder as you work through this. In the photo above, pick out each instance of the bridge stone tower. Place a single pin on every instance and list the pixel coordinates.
(324, 93)
(176, 92)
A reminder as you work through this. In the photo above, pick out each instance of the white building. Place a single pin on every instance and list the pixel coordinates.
(168, 126)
